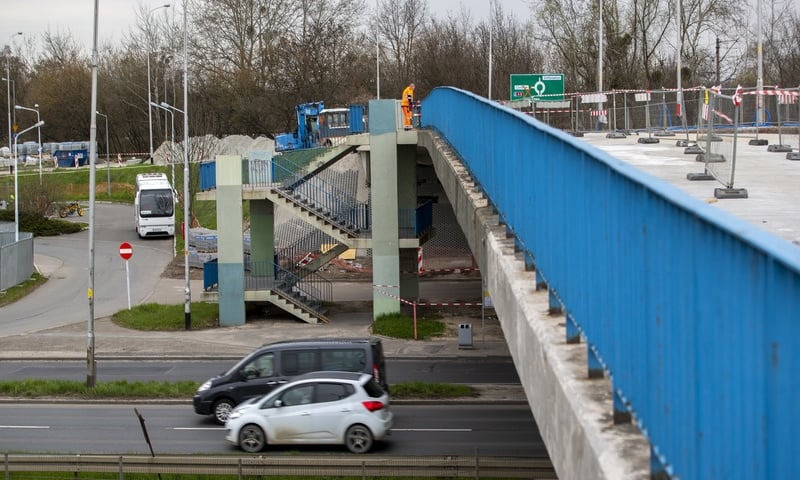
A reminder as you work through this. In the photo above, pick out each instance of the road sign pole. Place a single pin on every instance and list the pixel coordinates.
(126, 252)
(128, 283)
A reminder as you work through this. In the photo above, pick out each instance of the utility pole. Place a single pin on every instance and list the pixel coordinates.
(91, 364)
(717, 49)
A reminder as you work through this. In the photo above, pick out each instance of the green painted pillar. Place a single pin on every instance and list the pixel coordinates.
(230, 248)
(262, 238)
(385, 223)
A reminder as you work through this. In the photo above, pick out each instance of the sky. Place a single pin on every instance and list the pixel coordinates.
(116, 17)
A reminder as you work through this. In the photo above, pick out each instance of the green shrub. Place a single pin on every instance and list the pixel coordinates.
(40, 225)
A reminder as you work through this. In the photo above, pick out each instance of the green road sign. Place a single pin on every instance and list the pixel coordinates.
(539, 87)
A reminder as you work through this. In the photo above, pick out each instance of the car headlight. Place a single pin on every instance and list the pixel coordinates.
(204, 386)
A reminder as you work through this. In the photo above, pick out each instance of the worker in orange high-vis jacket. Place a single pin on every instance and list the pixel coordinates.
(407, 102)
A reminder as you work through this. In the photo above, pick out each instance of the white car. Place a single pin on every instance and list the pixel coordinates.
(329, 408)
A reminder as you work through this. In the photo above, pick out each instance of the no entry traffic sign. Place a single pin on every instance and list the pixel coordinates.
(125, 250)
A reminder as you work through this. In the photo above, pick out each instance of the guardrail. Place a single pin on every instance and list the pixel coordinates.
(375, 466)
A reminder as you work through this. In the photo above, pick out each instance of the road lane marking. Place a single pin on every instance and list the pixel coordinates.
(431, 429)
(199, 428)
(24, 427)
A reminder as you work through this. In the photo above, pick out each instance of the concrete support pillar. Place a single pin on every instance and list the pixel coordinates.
(229, 241)
(407, 200)
(385, 205)
(262, 238)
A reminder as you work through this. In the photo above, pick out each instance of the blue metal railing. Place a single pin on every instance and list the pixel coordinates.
(694, 312)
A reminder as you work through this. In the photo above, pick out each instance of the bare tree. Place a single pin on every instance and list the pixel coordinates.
(399, 23)
(456, 52)
(703, 23)
(320, 50)
(781, 50)
(569, 29)
(61, 84)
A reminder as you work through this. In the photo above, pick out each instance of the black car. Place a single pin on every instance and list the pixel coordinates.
(277, 363)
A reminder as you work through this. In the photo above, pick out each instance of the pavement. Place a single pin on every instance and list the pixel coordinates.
(347, 319)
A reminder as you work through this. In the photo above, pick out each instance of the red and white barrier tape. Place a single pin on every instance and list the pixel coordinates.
(449, 270)
(424, 304)
(414, 304)
(449, 304)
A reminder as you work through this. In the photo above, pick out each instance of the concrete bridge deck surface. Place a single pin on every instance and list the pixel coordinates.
(771, 181)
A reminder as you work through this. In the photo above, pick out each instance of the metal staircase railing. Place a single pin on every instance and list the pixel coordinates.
(324, 200)
(311, 293)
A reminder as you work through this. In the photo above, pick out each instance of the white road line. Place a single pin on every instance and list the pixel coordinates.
(214, 429)
(431, 429)
(23, 427)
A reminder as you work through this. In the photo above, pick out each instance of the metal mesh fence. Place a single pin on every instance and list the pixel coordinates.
(719, 113)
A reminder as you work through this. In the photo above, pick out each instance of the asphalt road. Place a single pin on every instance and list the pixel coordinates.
(500, 430)
(63, 299)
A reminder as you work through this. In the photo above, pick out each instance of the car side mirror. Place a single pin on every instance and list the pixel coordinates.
(278, 403)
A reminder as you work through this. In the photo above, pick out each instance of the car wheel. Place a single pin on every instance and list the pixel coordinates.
(358, 439)
(222, 410)
(252, 438)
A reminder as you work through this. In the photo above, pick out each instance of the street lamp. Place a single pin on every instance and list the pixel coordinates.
(8, 81)
(171, 157)
(35, 109)
(149, 98)
(187, 289)
(108, 159)
(13, 101)
(169, 108)
(16, 180)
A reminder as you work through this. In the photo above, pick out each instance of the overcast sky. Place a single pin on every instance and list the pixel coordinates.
(116, 17)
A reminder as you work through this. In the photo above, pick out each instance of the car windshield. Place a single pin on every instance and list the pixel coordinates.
(156, 203)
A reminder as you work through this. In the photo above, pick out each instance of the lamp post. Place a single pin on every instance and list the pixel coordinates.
(35, 109)
(187, 288)
(171, 157)
(91, 364)
(108, 159)
(8, 86)
(168, 109)
(600, 59)
(149, 98)
(13, 98)
(16, 180)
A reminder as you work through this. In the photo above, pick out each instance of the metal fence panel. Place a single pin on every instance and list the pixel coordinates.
(693, 311)
(16, 259)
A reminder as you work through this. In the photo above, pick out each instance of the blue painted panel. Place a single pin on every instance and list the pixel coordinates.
(693, 311)
(208, 176)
